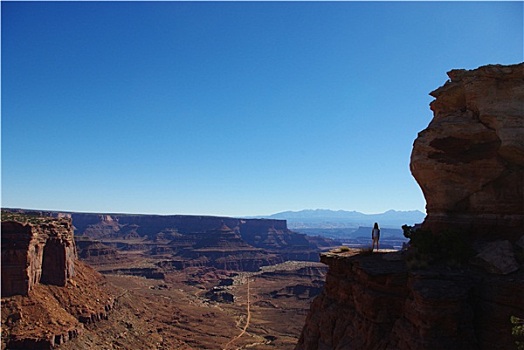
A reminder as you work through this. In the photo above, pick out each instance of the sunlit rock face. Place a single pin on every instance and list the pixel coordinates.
(469, 161)
(36, 253)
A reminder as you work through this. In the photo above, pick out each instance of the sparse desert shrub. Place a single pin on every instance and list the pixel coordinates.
(518, 331)
(341, 249)
(408, 231)
(24, 218)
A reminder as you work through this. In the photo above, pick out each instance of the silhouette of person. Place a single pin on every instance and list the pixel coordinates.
(375, 236)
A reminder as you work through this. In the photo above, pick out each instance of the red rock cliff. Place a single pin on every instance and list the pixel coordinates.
(469, 161)
(371, 302)
(47, 294)
(36, 253)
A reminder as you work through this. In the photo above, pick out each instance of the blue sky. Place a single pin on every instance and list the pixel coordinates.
(230, 108)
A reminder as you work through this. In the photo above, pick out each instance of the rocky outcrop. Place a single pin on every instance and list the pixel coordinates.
(53, 315)
(221, 295)
(497, 257)
(47, 294)
(370, 302)
(89, 250)
(146, 272)
(469, 161)
(300, 291)
(32, 253)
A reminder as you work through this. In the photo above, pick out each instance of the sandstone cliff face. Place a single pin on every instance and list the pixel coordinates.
(36, 253)
(47, 294)
(53, 315)
(372, 303)
(469, 161)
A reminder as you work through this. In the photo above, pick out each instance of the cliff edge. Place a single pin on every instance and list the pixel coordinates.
(376, 302)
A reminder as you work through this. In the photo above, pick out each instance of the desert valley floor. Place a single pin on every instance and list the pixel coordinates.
(179, 312)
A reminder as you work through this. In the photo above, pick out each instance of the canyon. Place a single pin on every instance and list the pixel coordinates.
(122, 281)
(186, 240)
(155, 282)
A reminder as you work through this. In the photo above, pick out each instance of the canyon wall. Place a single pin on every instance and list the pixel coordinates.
(179, 239)
(372, 302)
(263, 233)
(103, 225)
(257, 242)
(469, 161)
(225, 249)
(36, 253)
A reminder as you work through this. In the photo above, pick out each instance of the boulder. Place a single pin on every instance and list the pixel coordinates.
(497, 257)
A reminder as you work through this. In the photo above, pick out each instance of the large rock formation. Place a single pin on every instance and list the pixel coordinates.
(33, 253)
(469, 161)
(47, 294)
(373, 303)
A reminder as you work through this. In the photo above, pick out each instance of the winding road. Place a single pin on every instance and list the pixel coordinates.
(248, 317)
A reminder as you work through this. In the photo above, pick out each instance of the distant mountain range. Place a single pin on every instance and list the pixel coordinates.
(325, 218)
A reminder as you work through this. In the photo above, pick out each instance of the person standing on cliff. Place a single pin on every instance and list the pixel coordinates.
(375, 236)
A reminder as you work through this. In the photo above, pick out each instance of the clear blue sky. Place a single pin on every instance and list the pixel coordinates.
(231, 108)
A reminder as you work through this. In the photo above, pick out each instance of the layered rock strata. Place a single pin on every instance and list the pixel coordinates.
(372, 303)
(53, 315)
(224, 249)
(36, 253)
(95, 251)
(469, 161)
(47, 294)
(181, 239)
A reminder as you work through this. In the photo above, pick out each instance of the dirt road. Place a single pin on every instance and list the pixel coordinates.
(248, 316)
